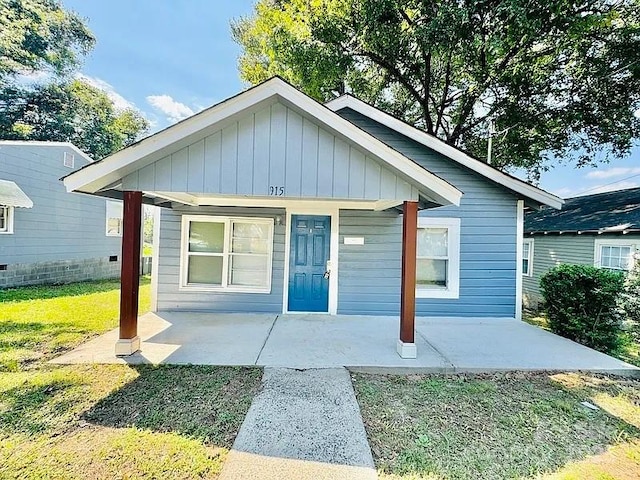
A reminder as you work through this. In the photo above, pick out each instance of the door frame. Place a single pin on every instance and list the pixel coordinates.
(328, 209)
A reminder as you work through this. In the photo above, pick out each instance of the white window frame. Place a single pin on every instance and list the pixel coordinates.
(9, 212)
(453, 266)
(616, 242)
(529, 272)
(106, 220)
(226, 254)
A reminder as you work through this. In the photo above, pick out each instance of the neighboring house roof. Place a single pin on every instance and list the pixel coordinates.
(512, 183)
(38, 143)
(107, 172)
(610, 212)
(11, 195)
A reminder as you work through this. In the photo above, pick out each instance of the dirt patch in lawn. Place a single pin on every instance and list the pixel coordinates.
(502, 426)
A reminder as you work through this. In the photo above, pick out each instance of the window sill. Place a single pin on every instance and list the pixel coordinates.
(6, 233)
(437, 293)
(212, 289)
(113, 234)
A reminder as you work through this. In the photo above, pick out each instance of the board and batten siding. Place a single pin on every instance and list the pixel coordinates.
(61, 225)
(272, 148)
(171, 297)
(550, 251)
(369, 281)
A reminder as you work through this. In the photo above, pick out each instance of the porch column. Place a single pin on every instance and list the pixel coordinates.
(128, 341)
(406, 343)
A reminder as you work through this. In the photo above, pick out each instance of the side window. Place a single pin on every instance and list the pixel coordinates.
(438, 258)
(114, 219)
(527, 257)
(6, 219)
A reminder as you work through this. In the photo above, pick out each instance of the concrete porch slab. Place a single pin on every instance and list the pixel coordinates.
(489, 345)
(184, 338)
(363, 343)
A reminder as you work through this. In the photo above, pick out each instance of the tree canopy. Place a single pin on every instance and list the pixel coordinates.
(39, 38)
(39, 35)
(72, 111)
(558, 79)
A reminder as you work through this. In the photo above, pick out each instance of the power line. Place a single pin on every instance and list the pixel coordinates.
(606, 184)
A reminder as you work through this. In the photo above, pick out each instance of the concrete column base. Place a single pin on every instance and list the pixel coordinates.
(127, 346)
(407, 350)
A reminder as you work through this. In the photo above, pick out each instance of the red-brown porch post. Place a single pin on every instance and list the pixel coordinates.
(406, 344)
(129, 342)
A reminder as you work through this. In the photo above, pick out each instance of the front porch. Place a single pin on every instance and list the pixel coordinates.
(365, 343)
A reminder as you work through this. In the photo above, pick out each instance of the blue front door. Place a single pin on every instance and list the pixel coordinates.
(308, 284)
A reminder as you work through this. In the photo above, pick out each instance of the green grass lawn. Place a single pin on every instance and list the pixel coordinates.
(629, 350)
(105, 421)
(516, 426)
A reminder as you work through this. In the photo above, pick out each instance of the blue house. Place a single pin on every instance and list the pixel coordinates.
(273, 202)
(46, 235)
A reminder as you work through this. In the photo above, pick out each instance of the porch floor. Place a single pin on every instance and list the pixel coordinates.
(365, 343)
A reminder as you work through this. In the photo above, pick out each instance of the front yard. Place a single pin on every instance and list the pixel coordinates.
(120, 421)
(525, 426)
(105, 421)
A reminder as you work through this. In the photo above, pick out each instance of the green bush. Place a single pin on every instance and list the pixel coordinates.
(630, 302)
(582, 304)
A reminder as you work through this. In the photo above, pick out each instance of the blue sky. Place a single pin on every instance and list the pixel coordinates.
(170, 59)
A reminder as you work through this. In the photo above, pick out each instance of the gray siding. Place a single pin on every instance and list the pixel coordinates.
(487, 243)
(60, 226)
(170, 297)
(552, 250)
(271, 148)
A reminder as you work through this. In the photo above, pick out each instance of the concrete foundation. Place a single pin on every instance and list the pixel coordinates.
(60, 271)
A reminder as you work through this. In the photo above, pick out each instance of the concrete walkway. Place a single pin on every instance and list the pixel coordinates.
(303, 425)
(445, 345)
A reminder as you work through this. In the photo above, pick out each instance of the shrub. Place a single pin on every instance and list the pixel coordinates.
(630, 302)
(582, 304)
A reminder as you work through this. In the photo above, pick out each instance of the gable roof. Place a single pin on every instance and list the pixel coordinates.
(110, 170)
(612, 212)
(514, 184)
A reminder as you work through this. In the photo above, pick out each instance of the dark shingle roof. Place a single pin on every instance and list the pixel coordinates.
(610, 211)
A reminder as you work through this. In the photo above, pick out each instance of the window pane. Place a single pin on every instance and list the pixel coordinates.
(431, 273)
(205, 269)
(250, 238)
(248, 270)
(525, 250)
(114, 226)
(3, 219)
(525, 266)
(206, 237)
(432, 242)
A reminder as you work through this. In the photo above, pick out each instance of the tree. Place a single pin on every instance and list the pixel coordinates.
(68, 111)
(40, 36)
(558, 79)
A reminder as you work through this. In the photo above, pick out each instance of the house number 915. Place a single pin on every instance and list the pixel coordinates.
(276, 190)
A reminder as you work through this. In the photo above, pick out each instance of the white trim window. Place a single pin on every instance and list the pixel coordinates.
(616, 254)
(6, 219)
(438, 258)
(527, 257)
(114, 218)
(226, 254)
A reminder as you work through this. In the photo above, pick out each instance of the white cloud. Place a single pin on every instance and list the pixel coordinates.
(173, 109)
(564, 192)
(118, 100)
(613, 172)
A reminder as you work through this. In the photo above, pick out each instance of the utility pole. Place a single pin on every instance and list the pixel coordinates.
(490, 142)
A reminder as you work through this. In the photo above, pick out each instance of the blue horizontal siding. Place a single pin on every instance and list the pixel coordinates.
(369, 279)
(170, 297)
